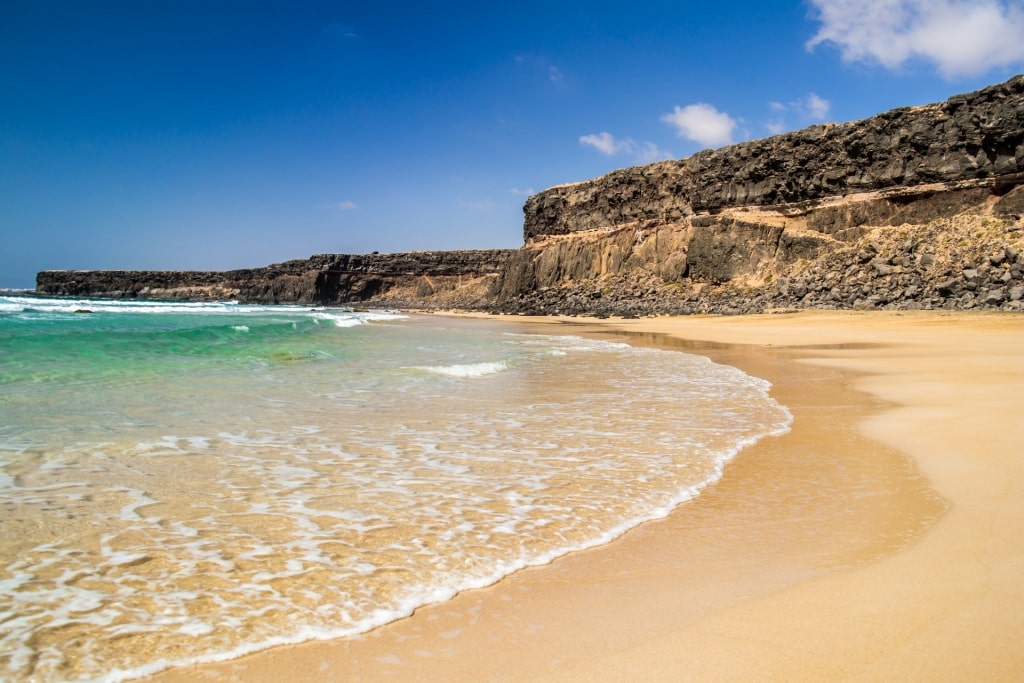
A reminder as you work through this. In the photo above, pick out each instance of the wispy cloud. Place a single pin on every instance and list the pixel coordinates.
(522, 192)
(539, 64)
(347, 205)
(340, 31)
(817, 108)
(647, 152)
(959, 37)
(811, 108)
(702, 123)
(607, 144)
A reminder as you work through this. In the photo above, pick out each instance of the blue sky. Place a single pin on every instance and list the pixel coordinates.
(159, 134)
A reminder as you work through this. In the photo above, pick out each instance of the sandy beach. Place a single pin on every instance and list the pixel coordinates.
(882, 538)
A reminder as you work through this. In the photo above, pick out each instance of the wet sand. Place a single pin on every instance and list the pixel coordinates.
(882, 538)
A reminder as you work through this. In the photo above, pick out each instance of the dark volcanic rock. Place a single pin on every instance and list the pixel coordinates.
(979, 135)
(1011, 205)
(321, 279)
(726, 248)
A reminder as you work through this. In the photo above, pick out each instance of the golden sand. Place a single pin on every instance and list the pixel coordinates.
(881, 539)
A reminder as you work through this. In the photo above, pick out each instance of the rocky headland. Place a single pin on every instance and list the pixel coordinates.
(422, 279)
(919, 207)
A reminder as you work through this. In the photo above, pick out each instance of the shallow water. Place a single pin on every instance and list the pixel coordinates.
(188, 482)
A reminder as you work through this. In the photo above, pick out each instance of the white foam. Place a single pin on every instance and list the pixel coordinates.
(355, 318)
(48, 305)
(340, 320)
(349, 513)
(466, 370)
(139, 499)
(341, 317)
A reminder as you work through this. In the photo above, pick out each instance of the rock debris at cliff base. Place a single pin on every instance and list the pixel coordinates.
(962, 263)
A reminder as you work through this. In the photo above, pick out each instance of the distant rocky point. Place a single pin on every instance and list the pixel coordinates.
(457, 278)
(919, 207)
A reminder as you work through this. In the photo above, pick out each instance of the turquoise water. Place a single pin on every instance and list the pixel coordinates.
(189, 482)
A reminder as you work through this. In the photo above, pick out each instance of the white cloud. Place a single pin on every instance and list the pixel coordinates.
(347, 205)
(816, 107)
(523, 192)
(960, 37)
(807, 109)
(607, 144)
(812, 107)
(702, 123)
(555, 74)
(649, 152)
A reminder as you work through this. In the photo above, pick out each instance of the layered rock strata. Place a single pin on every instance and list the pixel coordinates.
(973, 136)
(948, 248)
(728, 230)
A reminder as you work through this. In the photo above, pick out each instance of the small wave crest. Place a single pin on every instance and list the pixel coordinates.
(339, 319)
(54, 305)
(354, 318)
(35, 306)
(466, 370)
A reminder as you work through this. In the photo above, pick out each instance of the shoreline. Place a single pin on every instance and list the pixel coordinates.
(880, 538)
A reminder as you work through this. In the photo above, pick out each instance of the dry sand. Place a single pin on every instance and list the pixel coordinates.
(881, 539)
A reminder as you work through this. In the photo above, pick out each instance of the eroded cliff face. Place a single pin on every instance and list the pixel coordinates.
(749, 261)
(978, 135)
(720, 230)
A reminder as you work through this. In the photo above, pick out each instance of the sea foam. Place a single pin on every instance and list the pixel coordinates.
(212, 508)
(465, 370)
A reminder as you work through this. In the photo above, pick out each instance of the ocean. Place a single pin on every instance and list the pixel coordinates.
(187, 482)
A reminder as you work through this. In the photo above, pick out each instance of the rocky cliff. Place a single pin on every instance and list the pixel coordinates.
(461, 279)
(911, 208)
(974, 136)
(918, 207)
